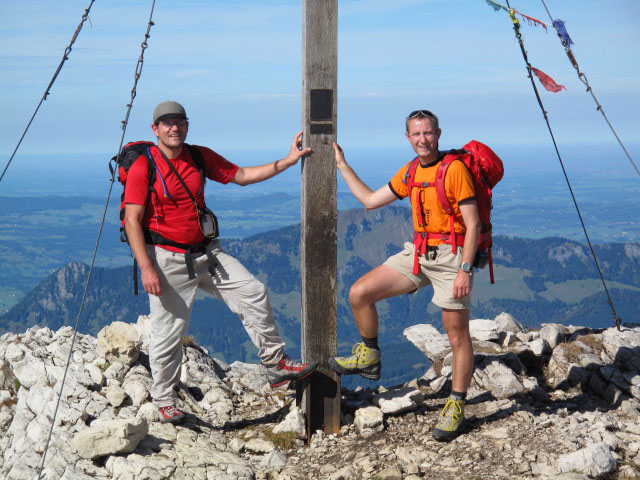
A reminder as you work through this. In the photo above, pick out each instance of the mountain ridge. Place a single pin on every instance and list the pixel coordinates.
(537, 281)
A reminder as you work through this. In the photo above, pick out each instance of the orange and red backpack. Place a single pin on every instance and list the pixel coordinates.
(486, 171)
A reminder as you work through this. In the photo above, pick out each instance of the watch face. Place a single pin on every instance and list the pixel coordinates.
(465, 267)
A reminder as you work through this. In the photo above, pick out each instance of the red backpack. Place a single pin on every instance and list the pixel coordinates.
(486, 171)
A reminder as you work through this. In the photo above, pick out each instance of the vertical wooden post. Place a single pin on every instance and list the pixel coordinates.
(319, 252)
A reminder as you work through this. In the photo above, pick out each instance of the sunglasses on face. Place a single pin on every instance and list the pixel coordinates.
(173, 123)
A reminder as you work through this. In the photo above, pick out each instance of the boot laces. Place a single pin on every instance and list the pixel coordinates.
(451, 410)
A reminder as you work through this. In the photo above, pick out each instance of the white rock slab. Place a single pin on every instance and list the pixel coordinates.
(592, 460)
(369, 420)
(483, 329)
(293, 422)
(497, 378)
(399, 401)
(274, 459)
(428, 340)
(259, 445)
(507, 323)
(110, 437)
(119, 342)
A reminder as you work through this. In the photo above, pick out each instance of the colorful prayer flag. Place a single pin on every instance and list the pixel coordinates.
(562, 33)
(495, 6)
(546, 81)
(531, 20)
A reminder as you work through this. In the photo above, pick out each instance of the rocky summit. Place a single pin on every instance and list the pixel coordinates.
(560, 402)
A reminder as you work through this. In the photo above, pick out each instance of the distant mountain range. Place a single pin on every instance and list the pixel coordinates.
(546, 280)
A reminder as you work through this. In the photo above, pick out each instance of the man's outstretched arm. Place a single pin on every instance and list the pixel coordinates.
(248, 175)
(366, 196)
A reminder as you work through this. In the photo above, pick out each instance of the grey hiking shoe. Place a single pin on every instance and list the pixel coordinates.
(451, 423)
(287, 369)
(364, 360)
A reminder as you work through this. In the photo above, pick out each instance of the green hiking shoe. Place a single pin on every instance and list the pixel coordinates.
(365, 361)
(451, 423)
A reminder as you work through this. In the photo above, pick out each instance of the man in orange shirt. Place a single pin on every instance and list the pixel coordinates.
(449, 273)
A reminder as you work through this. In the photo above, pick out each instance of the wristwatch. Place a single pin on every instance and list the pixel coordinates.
(465, 267)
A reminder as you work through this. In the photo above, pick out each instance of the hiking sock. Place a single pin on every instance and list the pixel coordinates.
(371, 342)
(458, 395)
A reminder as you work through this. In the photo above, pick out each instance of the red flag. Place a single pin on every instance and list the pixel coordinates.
(546, 81)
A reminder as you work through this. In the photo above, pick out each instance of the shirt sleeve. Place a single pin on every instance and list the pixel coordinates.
(137, 182)
(397, 184)
(458, 183)
(218, 168)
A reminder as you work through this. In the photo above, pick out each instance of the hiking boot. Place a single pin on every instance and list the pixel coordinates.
(286, 370)
(365, 361)
(451, 423)
(171, 414)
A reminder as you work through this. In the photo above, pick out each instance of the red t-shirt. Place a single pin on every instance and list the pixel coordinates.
(170, 211)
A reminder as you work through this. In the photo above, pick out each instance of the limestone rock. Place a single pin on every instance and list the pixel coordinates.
(119, 342)
(390, 473)
(293, 422)
(496, 377)
(593, 460)
(275, 458)
(486, 330)
(539, 347)
(507, 323)
(259, 445)
(369, 420)
(116, 395)
(428, 340)
(110, 438)
(553, 333)
(398, 401)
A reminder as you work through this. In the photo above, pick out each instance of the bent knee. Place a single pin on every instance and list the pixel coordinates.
(359, 294)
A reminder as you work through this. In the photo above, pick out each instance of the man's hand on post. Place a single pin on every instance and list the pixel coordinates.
(296, 152)
(339, 154)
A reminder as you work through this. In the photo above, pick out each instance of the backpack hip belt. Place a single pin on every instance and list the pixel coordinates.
(421, 241)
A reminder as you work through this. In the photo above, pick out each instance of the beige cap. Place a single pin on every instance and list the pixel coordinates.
(168, 109)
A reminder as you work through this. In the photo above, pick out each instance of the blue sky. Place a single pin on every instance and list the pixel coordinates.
(236, 66)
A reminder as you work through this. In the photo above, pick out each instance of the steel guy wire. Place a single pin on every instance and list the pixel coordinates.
(516, 28)
(138, 73)
(583, 78)
(65, 57)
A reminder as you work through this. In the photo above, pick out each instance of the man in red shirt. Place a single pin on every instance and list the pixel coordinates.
(175, 258)
(449, 273)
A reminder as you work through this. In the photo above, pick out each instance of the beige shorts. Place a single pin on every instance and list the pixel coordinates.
(440, 272)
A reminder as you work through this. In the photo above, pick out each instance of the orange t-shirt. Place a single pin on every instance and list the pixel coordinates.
(458, 186)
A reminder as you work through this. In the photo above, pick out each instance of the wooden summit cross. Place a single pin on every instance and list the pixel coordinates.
(319, 249)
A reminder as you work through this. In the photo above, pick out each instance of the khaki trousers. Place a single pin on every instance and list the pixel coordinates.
(233, 284)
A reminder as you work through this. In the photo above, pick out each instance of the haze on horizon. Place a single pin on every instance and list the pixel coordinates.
(236, 66)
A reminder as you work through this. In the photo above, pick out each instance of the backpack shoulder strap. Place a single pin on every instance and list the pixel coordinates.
(410, 175)
(197, 157)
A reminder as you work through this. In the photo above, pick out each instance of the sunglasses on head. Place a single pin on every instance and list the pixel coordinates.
(421, 113)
